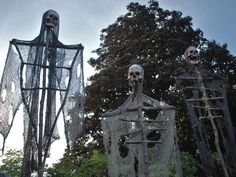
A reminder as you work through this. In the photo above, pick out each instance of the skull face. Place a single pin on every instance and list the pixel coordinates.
(191, 55)
(51, 19)
(135, 75)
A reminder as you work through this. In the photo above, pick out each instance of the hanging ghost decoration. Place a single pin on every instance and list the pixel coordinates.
(139, 137)
(48, 76)
(205, 95)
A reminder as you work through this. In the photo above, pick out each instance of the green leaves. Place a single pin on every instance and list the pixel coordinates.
(11, 162)
(94, 166)
(190, 166)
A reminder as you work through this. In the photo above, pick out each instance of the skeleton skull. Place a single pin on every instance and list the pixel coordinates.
(135, 75)
(191, 55)
(52, 19)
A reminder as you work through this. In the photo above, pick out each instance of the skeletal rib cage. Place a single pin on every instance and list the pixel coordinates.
(206, 99)
(140, 138)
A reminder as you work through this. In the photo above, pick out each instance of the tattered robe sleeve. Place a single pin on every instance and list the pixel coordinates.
(10, 99)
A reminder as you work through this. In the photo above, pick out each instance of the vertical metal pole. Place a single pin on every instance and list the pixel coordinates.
(143, 134)
(41, 112)
(26, 164)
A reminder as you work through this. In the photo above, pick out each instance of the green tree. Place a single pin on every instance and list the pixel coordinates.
(11, 162)
(93, 166)
(189, 164)
(66, 167)
(89, 166)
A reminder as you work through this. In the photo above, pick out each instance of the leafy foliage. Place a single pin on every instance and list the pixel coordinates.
(95, 166)
(11, 162)
(189, 164)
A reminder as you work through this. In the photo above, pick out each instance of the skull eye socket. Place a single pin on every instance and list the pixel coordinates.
(131, 74)
(55, 21)
(52, 19)
(193, 51)
(137, 73)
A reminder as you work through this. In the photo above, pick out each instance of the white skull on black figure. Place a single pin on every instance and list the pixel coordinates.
(52, 19)
(191, 55)
(135, 75)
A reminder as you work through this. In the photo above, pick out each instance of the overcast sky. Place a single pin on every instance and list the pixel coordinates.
(82, 20)
(216, 18)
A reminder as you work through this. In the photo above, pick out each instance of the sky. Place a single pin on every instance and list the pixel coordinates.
(82, 21)
(216, 18)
